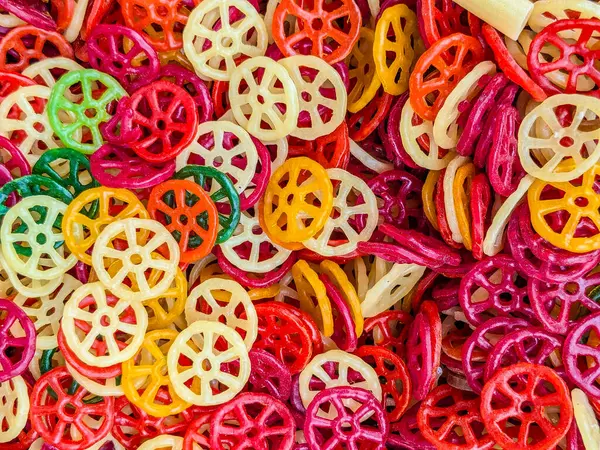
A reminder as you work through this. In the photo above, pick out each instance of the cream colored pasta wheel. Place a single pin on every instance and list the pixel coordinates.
(257, 104)
(30, 287)
(144, 237)
(368, 160)
(391, 288)
(351, 197)
(586, 420)
(212, 146)
(250, 232)
(14, 412)
(285, 290)
(410, 133)
(91, 313)
(566, 142)
(72, 31)
(494, 237)
(7, 289)
(314, 78)
(197, 268)
(213, 44)
(37, 444)
(281, 152)
(32, 122)
(47, 311)
(41, 236)
(356, 271)
(445, 128)
(326, 366)
(46, 70)
(449, 206)
(547, 11)
(104, 388)
(7, 20)
(238, 311)
(163, 442)
(203, 382)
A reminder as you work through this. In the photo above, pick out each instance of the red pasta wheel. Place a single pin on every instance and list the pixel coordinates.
(516, 403)
(168, 118)
(63, 420)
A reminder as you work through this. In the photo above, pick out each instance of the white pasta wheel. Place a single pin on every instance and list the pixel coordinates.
(367, 160)
(585, 419)
(236, 308)
(347, 189)
(494, 237)
(46, 70)
(391, 288)
(410, 134)
(72, 31)
(565, 142)
(32, 122)
(250, 232)
(445, 128)
(212, 145)
(326, 366)
(258, 91)
(313, 77)
(47, 311)
(14, 408)
(213, 44)
(449, 205)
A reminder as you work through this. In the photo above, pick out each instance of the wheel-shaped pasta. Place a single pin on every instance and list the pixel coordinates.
(149, 367)
(264, 99)
(321, 93)
(213, 41)
(332, 369)
(46, 70)
(106, 201)
(395, 34)
(419, 143)
(362, 73)
(391, 288)
(88, 113)
(13, 392)
(144, 237)
(291, 194)
(250, 248)
(574, 137)
(570, 218)
(312, 296)
(445, 128)
(46, 311)
(546, 12)
(208, 346)
(26, 286)
(218, 299)
(351, 197)
(32, 242)
(225, 146)
(91, 313)
(167, 307)
(24, 114)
